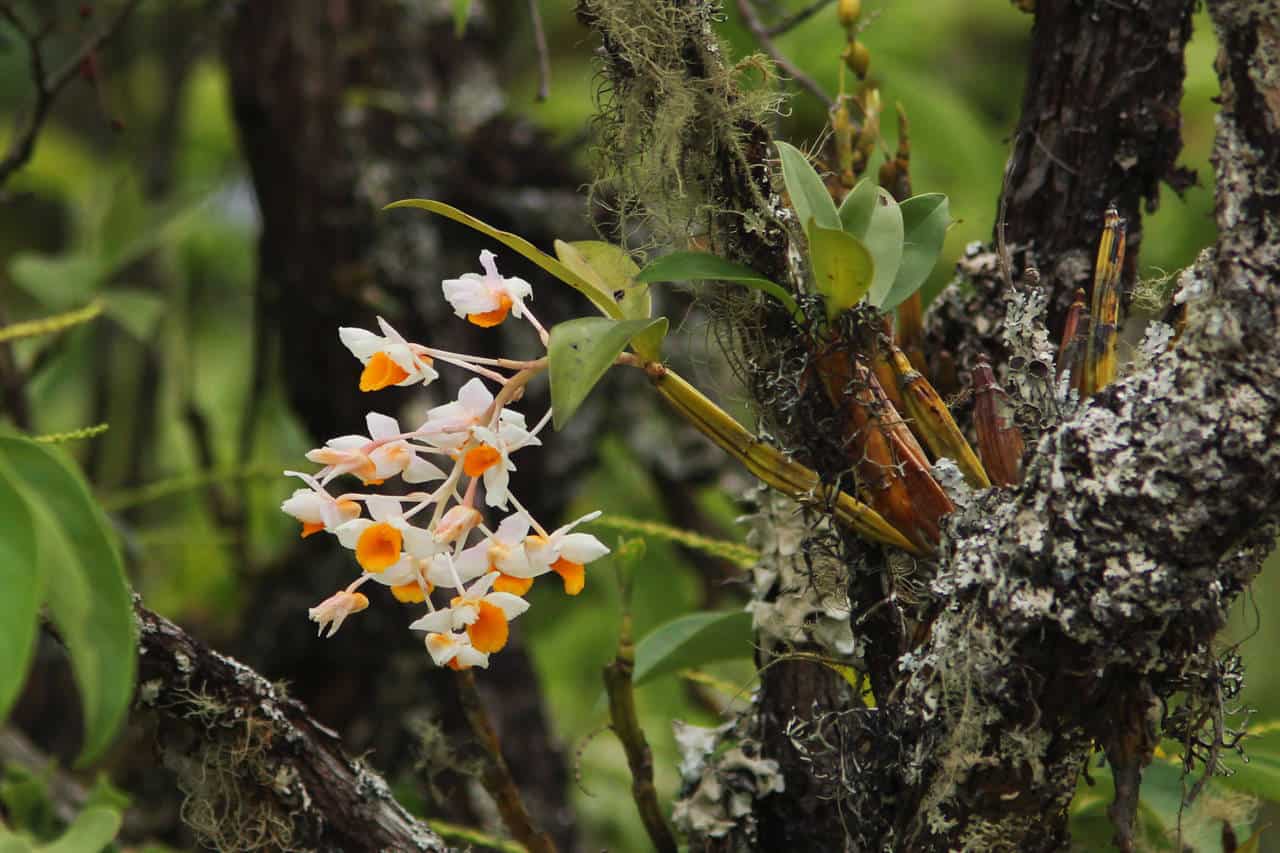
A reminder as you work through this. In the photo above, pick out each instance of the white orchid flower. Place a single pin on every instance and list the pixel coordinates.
(380, 541)
(454, 651)
(567, 553)
(388, 358)
(485, 300)
(490, 457)
(502, 554)
(316, 508)
(485, 615)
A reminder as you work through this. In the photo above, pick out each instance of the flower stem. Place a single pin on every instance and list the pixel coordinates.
(497, 775)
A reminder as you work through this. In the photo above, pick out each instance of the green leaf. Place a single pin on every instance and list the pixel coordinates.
(20, 588)
(137, 311)
(843, 269)
(611, 270)
(92, 830)
(925, 219)
(693, 640)
(1260, 776)
(461, 11)
(808, 194)
(616, 271)
(602, 299)
(581, 351)
(884, 240)
(58, 283)
(89, 600)
(857, 207)
(704, 266)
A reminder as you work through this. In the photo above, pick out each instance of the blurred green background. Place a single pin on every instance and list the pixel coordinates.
(170, 249)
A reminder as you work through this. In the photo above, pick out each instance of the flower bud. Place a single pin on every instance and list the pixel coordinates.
(849, 11)
(456, 523)
(857, 58)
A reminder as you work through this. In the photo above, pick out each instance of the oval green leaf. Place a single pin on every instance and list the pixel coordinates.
(691, 641)
(581, 351)
(857, 207)
(88, 597)
(20, 588)
(808, 194)
(704, 266)
(613, 270)
(884, 239)
(843, 268)
(91, 831)
(600, 298)
(925, 219)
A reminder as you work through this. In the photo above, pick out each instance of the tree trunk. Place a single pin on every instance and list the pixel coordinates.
(1060, 616)
(344, 107)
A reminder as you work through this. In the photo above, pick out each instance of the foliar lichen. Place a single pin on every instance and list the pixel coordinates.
(800, 596)
(722, 775)
(670, 116)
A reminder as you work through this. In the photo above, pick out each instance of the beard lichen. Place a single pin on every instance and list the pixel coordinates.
(671, 113)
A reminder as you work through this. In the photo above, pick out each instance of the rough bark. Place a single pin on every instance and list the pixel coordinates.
(258, 770)
(1062, 615)
(1100, 124)
(344, 107)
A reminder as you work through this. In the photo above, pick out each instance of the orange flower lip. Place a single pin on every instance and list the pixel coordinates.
(573, 574)
(480, 459)
(488, 319)
(378, 547)
(381, 372)
(490, 630)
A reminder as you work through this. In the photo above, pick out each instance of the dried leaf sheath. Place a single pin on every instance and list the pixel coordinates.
(1071, 349)
(932, 420)
(1100, 360)
(892, 476)
(999, 440)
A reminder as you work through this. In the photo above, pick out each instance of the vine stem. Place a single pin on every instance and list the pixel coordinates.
(497, 777)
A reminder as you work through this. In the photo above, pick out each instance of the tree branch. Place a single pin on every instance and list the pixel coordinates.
(48, 87)
(253, 758)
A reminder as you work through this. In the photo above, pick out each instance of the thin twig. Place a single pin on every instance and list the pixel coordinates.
(796, 19)
(544, 56)
(497, 775)
(626, 725)
(761, 32)
(47, 88)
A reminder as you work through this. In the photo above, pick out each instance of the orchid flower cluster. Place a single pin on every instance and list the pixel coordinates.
(419, 542)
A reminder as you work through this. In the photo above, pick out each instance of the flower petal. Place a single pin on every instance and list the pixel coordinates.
(510, 605)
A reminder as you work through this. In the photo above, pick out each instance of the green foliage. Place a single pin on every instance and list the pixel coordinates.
(21, 591)
(843, 268)
(809, 196)
(612, 270)
(925, 220)
(692, 640)
(33, 826)
(76, 562)
(883, 239)
(461, 11)
(870, 246)
(704, 266)
(581, 352)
